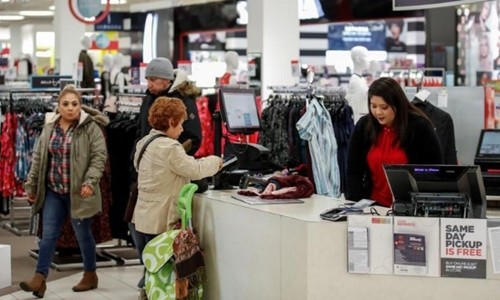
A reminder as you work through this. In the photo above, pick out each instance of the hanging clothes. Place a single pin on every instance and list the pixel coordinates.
(121, 133)
(207, 128)
(316, 127)
(443, 123)
(280, 135)
(7, 155)
(88, 70)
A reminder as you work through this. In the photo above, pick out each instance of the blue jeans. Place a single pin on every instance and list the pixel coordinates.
(55, 210)
(140, 240)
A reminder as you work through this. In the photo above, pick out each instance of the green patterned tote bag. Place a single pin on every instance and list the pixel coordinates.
(159, 263)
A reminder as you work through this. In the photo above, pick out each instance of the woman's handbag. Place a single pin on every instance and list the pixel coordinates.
(132, 200)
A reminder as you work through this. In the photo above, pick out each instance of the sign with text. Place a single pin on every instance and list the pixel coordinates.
(416, 246)
(463, 248)
(47, 82)
(347, 35)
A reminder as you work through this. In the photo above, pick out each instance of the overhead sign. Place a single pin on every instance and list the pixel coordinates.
(424, 4)
(347, 35)
(47, 82)
(122, 21)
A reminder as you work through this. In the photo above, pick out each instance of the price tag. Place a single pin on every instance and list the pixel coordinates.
(185, 65)
(252, 68)
(295, 68)
(79, 72)
(142, 73)
(443, 98)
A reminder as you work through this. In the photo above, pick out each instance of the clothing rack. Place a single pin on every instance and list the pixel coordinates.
(281, 89)
(20, 221)
(128, 105)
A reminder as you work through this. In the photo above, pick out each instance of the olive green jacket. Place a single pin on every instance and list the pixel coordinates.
(88, 157)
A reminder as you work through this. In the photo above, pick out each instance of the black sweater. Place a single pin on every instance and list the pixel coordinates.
(192, 126)
(421, 147)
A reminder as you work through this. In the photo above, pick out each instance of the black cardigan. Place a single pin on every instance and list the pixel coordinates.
(421, 147)
(191, 127)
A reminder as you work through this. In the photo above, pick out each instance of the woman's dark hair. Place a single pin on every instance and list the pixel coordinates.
(399, 23)
(392, 93)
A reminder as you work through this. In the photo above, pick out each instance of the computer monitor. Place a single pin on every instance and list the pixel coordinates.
(489, 144)
(239, 110)
(406, 179)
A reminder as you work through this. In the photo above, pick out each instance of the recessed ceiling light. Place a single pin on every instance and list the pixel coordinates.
(52, 7)
(114, 2)
(11, 18)
(5, 0)
(36, 13)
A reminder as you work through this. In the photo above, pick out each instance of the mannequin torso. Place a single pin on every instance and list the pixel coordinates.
(357, 92)
(117, 77)
(107, 63)
(232, 61)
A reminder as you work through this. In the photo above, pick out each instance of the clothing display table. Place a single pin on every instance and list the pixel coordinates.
(285, 251)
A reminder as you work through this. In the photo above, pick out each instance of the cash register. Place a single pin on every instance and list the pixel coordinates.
(488, 158)
(239, 114)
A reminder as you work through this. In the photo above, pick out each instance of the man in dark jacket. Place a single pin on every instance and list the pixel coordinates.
(163, 82)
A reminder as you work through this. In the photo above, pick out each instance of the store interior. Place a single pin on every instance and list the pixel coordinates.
(447, 55)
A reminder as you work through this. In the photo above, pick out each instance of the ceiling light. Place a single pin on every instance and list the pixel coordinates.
(11, 18)
(103, 2)
(52, 7)
(5, 0)
(36, 13)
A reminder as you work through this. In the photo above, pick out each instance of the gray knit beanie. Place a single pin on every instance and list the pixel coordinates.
(160, 67)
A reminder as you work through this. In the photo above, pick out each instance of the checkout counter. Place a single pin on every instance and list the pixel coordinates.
(286, 251)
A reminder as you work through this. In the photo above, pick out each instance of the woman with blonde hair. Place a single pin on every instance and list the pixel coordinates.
(66, 168)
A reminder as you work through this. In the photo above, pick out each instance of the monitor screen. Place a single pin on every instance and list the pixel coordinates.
(405, 179)
(489, 143)
(239, 110)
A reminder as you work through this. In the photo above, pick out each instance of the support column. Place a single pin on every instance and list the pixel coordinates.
(68, 34)
(273, 30)
(16, 43)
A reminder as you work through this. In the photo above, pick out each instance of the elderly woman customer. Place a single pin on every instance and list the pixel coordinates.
(163, 169)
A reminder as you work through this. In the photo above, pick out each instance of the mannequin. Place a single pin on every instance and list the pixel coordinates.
(24, 67)
(117, 78)
(88, 64)
(232, 61)
(107, 64)
(357, 92)
(373, 71)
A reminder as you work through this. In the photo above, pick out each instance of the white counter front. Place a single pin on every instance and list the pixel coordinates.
(285, 251)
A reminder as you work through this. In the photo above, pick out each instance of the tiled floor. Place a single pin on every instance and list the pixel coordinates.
(114, 283)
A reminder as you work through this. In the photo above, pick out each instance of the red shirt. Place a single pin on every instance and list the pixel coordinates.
(384, 152)
(225, 79)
